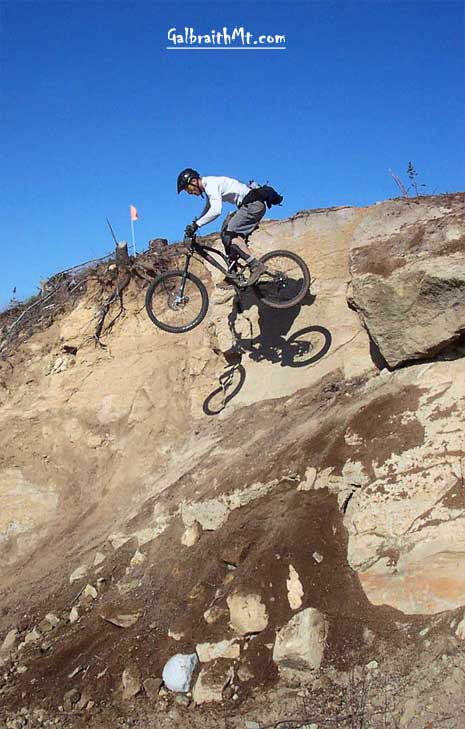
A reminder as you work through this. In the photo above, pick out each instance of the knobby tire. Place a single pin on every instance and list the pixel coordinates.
(267, 292)
(160, 286)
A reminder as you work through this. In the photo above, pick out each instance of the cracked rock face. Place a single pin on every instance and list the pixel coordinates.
(407, 523)
(409, 285)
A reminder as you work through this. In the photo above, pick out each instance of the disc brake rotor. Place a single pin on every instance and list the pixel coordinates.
(176, 302)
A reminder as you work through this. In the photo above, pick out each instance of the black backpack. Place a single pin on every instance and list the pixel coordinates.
(264, 193)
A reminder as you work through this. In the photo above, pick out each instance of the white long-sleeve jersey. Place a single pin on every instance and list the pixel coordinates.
(219, 190)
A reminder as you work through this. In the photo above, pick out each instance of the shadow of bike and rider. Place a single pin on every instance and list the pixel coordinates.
(301, 349)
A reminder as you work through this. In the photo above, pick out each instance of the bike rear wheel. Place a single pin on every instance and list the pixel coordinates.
(286, 282)
(173, 308)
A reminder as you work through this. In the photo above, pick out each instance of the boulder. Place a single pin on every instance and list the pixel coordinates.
(300, 644)
(409, 288)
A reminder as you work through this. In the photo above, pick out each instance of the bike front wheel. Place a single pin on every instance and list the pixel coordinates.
(286, 281)
(176, 303)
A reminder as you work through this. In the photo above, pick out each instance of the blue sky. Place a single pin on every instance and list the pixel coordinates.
(97, 114)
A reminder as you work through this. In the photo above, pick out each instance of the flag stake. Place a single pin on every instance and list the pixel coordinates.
(133, 239)
(133, 214)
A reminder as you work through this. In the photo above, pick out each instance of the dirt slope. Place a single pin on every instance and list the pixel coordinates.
(316, 478)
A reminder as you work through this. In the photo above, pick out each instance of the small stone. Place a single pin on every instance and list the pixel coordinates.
(175, 635)
(368, 636)
(178, 670)
(372, 665)
(191, 535)
(309, 479)
(32, 636)
(245, 673)
(131, 683)
(137, 559)
(234, 553)
(317, 557)
(252, 725)
(90, 591)
(117, 540)
(224, 649)
(74, 615)
(121, 619)
(247, 613)
(99, 558)
(9, 641)
(52, 619)
(152, 687)
(212, 680)
(21, 669)
(460, 630)
(295, 591)
(215, 613)
(78, 574)
(183, 700)
(70, 699)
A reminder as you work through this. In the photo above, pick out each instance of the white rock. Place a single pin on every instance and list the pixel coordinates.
(301, 642)
(372, 665)
(52, 619)
(191, 535)
(309, 480)
(177, 673)
(175, 635)
(99, 558)
(317, 557)
(78, 573)
(295, 591)
(32, 636)
(74, 615)
(247, 613)
(90, 591)
(460, 630)
(224, 649)
(10, 640)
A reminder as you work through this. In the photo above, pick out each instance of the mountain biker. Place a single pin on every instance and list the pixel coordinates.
(236, 226)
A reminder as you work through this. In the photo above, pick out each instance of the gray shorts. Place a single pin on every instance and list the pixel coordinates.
(244, 220)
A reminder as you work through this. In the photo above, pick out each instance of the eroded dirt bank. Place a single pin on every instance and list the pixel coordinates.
(306, 522)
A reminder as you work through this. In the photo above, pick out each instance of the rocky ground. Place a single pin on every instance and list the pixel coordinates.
(276, 496)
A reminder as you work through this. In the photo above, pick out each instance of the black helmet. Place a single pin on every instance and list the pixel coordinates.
(185, 177)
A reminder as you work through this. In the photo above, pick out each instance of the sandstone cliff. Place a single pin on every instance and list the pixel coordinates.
(279, 493)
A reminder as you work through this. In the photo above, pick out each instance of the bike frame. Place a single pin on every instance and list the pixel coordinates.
(203, 253)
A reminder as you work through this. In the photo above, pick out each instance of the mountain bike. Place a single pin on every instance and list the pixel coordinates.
(177, 301)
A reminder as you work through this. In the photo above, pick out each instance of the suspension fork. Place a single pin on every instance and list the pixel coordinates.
(184, 276)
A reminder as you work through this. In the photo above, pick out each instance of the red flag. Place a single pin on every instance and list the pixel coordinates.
(134, 213)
